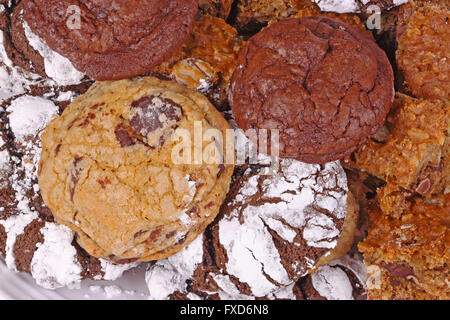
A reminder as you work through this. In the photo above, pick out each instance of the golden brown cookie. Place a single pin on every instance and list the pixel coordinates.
(111, 170)
(207, 59)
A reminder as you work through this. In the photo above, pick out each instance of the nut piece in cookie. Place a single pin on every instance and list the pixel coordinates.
(322, 84)
(411, 151)
(113, 171)
(110, 40)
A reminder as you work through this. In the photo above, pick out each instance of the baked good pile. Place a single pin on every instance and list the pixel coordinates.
(244, 149)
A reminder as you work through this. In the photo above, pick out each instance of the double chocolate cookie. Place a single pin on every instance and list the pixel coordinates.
(322, 84)
(271, 231)
(112, 39)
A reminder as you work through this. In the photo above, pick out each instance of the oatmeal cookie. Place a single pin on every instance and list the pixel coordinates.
(114, 171)
(423, 38)
(207, 59)
(411, 150)
(322, 84)
(407, 256)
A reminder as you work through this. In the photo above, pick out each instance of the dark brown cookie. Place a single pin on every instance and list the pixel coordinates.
(272, 230)
(110, 40)
(324, 85)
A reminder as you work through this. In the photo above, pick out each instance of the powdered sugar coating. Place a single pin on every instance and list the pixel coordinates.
(347, 6)
(272, 231)
(339, 6)
(57, 67)
(332, 283)
(55, 264)
(168, 276)
(30, 115)
(295, 205)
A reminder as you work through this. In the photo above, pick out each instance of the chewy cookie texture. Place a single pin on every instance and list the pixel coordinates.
(30, 240)
(399, 178)
(406, 250)
(107, 169)
(423, 38)
(322, 84)
(114, 41)
(411, 150)
(408, 257)
(206, 60)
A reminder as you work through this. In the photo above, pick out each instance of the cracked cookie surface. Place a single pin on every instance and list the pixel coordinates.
(110, 40)
(278, 226)
(107, 169)
(324, 85)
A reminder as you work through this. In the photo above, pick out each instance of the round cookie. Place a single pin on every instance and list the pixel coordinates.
(30, 240)
(322, 84)
(29, 66)
(272, 230)
(110, 40)
(342, 279)
(113, 171)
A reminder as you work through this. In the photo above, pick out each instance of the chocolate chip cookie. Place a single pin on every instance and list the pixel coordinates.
(113, 171)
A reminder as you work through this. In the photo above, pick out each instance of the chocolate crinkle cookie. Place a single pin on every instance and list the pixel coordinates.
(110, 40)
(277, 226)
(322, 84)
(344, 6)
(30, 240)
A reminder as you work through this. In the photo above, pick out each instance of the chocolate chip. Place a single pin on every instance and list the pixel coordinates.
(153, 113)
(125, 136)
(75, 175)
(57, 149)
(104, 182)
(153, 236)
(398, 270)
(221, 170)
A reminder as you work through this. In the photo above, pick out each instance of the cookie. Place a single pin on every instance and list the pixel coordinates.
(411, 151)
(322, 84)
(207, 59)
(346, 6)
(112, 40)
(252, 15)
(342, 279)
(278, 227)
(30, 240)
(25, 70)
(111, 168)
(424, 63)
(216, 8)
